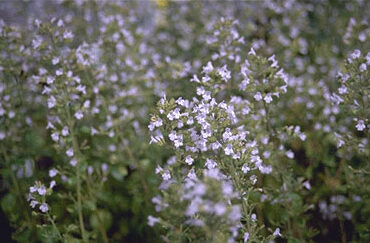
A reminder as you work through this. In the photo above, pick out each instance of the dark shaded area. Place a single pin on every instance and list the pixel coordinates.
(5, 229)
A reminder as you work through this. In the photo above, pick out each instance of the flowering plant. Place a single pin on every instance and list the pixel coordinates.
(165, 121)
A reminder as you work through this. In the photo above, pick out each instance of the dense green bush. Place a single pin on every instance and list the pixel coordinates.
(191, 121)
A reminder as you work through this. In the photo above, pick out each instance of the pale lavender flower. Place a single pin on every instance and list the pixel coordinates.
(289, 154)
(246, 237)
(268, 98)
(55, 136)
(70, 152)
(189, 160)
(65, 131)
(360, 125)
(33, 203)
(41, 190)
(52, 102)
(79, 115)
(44, 207)
(229, 149)
(210, 164)
(276, 232)
(166, 175)
(258, 96)
(53, 172)
(73, 162)
(152, 220)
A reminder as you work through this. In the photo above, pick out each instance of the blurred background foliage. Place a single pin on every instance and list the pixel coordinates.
(309, 38)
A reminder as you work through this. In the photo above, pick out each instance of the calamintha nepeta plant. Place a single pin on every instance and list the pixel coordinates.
(261, 132)
(213, 172)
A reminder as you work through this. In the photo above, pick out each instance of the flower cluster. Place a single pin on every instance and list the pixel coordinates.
(37, 196)
(212, 145)
(239, 151)
(353, 98)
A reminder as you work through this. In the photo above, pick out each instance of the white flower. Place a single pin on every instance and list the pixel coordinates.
(342, 90)
(174, 114)
(268, 98)
(59, 72)
(216, 145)
(157, 123)
(65, 131)
(33, 189)
(81, 88)
(70, 152)
(50, 126)
(340, 143)
(166, 175)
(52, 184)
(276, 232)
(159, 169)
(79, 115)
(73, 162)
(355, 54)
(274, 63)
(246, 237)
(36, 42)
(53, 172)
(90, 169)
(189, 160)
(190, 121)
(307, 185)
(178, 142)
(227, 135)
(33, 203)
(360, 125)
(51, 102)
(50, 80)
(235, 213)
(55, 136)
(86, 104)
(152, 220)
(41, 190)
(93, 131)
(220, 209)
(210, 164)
(245, 168)
(289, 154)
(55, 60)
(42, 71)
(363, 67)
(224, 73)
(44, 207)
(258, 96)
(229, 149)
(104, 167)
(302, 136)
(2, 135)
(68, 35)
(155, 139)
(207, 69)
(11, 114)
(192, 175)
(252, 52)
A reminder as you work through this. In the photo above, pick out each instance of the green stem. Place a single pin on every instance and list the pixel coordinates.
(137, 164)
(79, 205)
(102, 229)
(100, 221)
(14, 180)
(55, 227)
(239, 187)
(78, 183)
